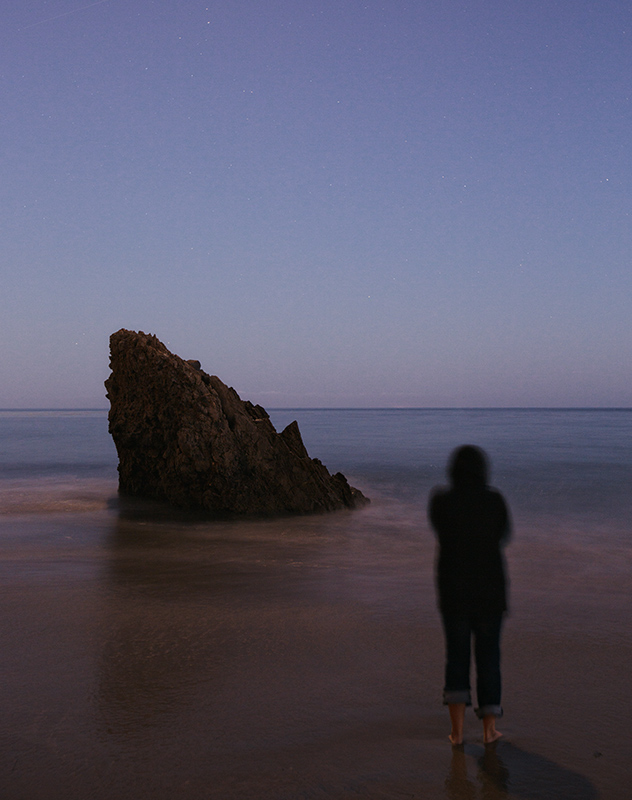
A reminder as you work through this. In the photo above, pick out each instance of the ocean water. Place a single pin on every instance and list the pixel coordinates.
(575, 463)
(146, 653)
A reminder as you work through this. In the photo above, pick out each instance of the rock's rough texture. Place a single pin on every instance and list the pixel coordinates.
(185, 437)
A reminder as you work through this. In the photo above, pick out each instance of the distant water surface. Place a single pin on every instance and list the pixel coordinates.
(576, 462)
(549, 462)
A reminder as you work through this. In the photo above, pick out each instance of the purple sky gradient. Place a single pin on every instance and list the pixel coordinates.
(405, 203)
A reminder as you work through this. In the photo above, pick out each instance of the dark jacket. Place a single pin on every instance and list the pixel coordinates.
(472, 524)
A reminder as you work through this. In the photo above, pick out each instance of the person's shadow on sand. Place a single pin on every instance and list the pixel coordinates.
(506, 771)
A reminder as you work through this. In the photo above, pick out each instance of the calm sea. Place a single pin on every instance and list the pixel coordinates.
(570, 467)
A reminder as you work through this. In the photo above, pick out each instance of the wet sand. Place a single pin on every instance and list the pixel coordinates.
(144, 659)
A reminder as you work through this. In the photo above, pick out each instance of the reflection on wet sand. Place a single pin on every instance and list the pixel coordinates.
(172, 621)
(267, 683)
(505, 771)
(156, 658)
(232, 619)
(146, 658)
(250, 656)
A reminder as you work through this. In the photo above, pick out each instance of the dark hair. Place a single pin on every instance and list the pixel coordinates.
(468, 466)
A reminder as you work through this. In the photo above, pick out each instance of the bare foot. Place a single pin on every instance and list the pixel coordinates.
(457, 718)
(490, 734)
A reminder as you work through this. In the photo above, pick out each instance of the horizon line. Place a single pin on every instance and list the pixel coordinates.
(362, 408)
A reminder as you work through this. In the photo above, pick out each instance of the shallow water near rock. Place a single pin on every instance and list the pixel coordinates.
(149, 655)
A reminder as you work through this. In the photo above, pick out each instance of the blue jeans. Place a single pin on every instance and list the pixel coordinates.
(459, 630)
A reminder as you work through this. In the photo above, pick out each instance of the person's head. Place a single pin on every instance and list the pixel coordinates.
(468, 466)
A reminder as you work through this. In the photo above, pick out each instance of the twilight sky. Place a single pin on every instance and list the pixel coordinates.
(327, 202)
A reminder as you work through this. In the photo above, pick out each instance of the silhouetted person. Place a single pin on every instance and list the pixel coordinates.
(472, 524)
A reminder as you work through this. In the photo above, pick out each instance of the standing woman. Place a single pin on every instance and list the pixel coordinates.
(472, 525)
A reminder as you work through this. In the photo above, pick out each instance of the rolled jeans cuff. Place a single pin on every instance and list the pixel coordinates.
(485, 711)
(457, 696)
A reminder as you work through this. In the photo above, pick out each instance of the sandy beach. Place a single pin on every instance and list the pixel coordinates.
(147, 658)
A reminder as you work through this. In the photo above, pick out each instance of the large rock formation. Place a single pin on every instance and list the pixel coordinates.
(185, 437)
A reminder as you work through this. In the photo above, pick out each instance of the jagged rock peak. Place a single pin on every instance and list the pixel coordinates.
(184, 437)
